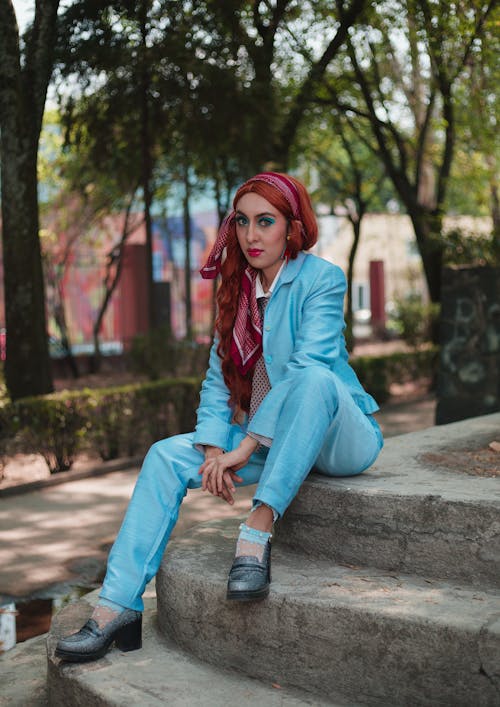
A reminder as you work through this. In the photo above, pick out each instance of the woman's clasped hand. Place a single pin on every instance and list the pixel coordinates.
(218, 471)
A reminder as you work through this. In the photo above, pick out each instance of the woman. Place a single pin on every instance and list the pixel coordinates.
(279, 398)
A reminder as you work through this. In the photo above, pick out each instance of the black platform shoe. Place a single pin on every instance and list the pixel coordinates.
(91, 642)
(249, 579)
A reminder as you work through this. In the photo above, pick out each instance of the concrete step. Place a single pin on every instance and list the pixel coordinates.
(378, 638)
(413, 511)
(159, 674)
(23, 671)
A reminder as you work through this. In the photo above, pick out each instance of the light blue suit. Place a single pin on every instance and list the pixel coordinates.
(316, 414)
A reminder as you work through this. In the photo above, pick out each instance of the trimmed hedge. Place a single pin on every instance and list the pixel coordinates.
(126, 420)
(114, 422)
(52, 425)
(378, 373)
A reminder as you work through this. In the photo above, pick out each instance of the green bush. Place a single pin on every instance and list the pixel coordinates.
(465, 248)
(51, 425)
(126, 420)
(114, 422)
(378, 373)
(156, 354)
(415, 321)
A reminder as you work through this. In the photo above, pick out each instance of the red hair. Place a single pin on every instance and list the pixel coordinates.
(302, 235)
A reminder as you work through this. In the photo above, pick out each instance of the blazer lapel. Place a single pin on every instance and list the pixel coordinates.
(291, 270)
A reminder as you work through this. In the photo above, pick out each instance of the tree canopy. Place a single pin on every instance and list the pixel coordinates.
(399, 92)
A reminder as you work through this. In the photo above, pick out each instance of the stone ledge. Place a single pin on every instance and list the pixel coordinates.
(379, 639)
(23, 674)
(158, 674)
(404, 514)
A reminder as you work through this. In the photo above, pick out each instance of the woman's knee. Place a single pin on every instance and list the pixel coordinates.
(317, 382)
(348, 454)
(166, 454)
(173, 447)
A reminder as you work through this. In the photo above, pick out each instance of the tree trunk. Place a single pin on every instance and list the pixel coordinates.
(27, 365)
(495, 207)
(23, 90)
(428, 227)
(115, 260)
(147, 164)
(62, 325)
(349, 318)
(495, 215)
(187, 262)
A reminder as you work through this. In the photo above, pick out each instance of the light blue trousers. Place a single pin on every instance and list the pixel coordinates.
(320, 426)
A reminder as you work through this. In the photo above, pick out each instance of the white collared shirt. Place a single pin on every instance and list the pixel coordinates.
(259, 290)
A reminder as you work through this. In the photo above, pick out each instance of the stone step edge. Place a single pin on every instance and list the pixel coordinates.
(293, 573)
(416, 465)
(397, 641)
(159, 674)
(424, 535)
(23, 674)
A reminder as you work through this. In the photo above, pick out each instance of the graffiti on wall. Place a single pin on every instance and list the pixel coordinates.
(469, 374)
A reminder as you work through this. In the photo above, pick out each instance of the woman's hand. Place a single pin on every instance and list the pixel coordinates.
(212, 452)
(219, 471)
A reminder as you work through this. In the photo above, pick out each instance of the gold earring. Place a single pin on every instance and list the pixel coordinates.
(288, 237)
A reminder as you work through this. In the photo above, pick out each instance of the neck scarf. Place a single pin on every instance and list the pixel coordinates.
(246, 343)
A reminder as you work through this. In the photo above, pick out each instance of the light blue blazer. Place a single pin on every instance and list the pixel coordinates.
(303, 326)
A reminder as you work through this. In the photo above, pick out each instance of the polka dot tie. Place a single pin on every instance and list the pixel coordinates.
(260, 382)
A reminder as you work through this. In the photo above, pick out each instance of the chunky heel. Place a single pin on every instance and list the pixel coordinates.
(91, 642)
(129, 638)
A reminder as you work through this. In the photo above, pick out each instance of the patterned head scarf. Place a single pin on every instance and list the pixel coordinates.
(246, 344)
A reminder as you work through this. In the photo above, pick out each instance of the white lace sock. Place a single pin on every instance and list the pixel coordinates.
(251, 542)
(105, 611)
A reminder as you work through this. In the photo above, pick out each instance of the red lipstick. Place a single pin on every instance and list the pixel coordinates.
(254, 252)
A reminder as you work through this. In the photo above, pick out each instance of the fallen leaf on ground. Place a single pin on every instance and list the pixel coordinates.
(495, 446)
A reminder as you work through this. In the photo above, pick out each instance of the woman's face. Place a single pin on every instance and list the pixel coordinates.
(261, 231)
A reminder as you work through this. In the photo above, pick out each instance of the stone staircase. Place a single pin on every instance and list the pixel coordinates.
(386, 591)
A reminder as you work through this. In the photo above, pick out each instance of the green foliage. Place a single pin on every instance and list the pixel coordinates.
(155, 354)
(4, 395)
(347, 172)
(378, 373)
(402, 76)
(125, 420)
(114, 422)
(51, 425)
(414, 320)
(462, 248)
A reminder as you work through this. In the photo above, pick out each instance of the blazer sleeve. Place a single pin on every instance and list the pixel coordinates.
(318, 343)
(214, 415)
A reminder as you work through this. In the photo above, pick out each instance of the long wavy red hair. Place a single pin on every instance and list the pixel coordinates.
(302, 234)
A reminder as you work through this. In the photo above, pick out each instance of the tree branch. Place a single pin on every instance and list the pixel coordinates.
(422, 136)
(477, 29)
(339, 105)
(398, 176)
(387, 123)
(111, 282)
(445, 81)
(316, 73)
(39, 57)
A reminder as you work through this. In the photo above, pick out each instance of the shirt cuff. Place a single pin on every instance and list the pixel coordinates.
(200, 446)
(264, 441)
